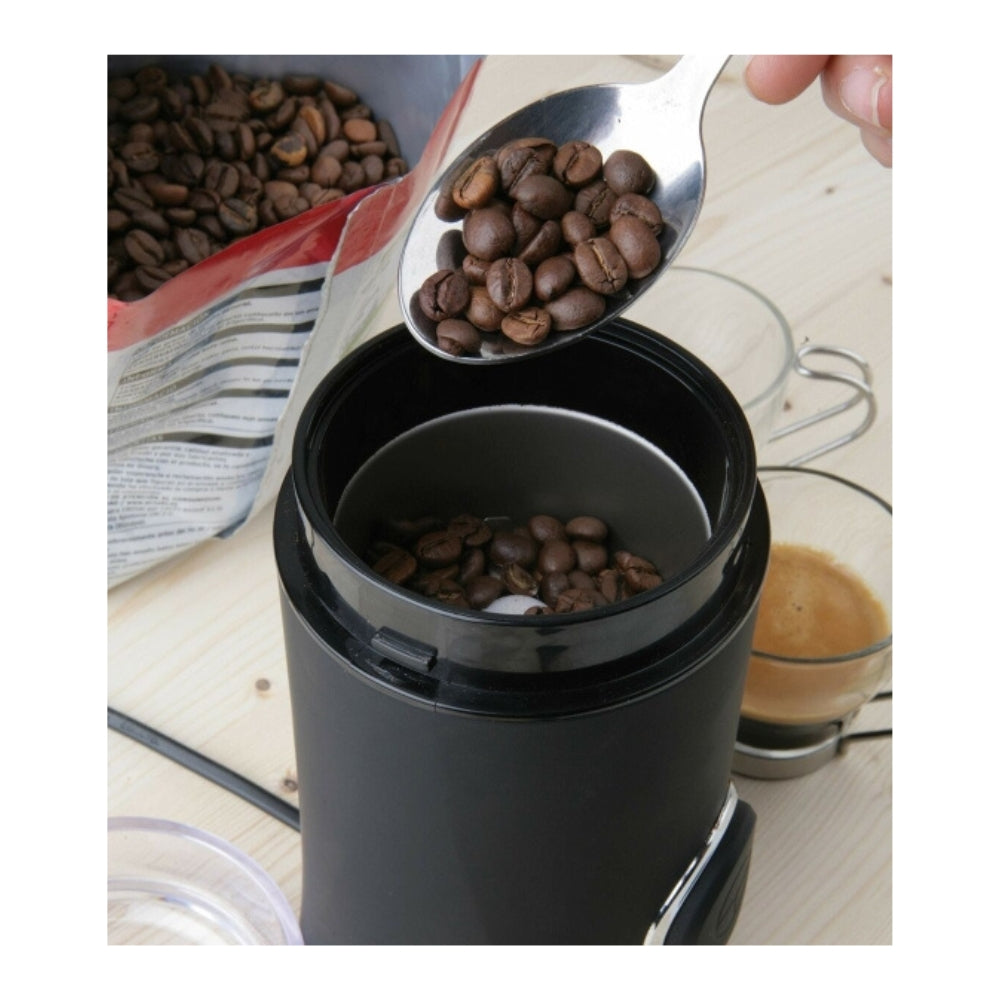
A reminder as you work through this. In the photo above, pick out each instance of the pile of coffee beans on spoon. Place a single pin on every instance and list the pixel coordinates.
(470, 562)
(198, 161)
(549, 233)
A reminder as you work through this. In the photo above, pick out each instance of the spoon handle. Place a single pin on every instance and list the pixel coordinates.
(686, 86)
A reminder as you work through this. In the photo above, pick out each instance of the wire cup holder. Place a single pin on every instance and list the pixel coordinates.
(860, 382)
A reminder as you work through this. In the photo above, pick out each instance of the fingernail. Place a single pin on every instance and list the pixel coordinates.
(859, 93)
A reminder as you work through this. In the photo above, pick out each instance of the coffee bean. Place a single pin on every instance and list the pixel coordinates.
(374, 169)
(361, 150)
(387, 134)
(612, 585)
(477, 184)
(471, 529)
(509, 283)
(519, 580)
(193, 244)
(301, 83)
(587, 527)
(266, 96)
(600, 265)
(626, 170)
(140, 157)
(438, 548)
(473, 564)
(482, 312)
(552, 585)
(545, 528)
(326, 171)
(143, 248)
(526, 225)
(237, 217)
(397, 566)
(313, 119)
(557, 555)
(475, 269)
(577, 227)
(591, 556)
(639, 580)
(180, 215)
(553, 277)
(635, 241)
(151, 220)
(521, 158)
(596, 201)
(528, 326)
(118, 221)
(578, 599)
(640, 207)
(577, 163)
(151, 276)
(543, 196)
(545, 243)
(150, 79)
(122, 88)
(577, 308)
(290, 150)
(141, 108)
(353, 176)
(166, 192)
(580, 579)
(488, 233)
(483, 590)
(222, 178)
(278, 189)
(204, 201)
(457, 337)
(513, 547)
(132, 199)
(211, 225)
(444, 294)
(202, 135)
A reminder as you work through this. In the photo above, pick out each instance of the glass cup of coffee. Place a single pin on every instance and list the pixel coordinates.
(746, 340)
(822, 646)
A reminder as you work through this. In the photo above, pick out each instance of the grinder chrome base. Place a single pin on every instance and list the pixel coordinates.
(703, 906)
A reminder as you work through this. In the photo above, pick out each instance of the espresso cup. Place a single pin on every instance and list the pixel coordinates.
(745, 338)
(822, 646)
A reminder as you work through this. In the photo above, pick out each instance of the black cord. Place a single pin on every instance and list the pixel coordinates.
(871, 734)
(202, 765)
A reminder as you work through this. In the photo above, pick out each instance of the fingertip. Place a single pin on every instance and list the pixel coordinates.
(778, 79)
(880, 146)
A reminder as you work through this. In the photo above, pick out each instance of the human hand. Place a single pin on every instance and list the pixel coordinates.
(857, 88)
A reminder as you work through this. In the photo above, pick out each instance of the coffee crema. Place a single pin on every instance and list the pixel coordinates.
(811, 609)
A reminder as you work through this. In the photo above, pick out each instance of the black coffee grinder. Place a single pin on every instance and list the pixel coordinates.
(473, 777)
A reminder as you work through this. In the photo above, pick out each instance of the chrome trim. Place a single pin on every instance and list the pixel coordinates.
(660, 927)
(794, 762)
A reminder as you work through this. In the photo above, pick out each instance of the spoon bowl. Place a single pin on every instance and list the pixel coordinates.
(659, 119)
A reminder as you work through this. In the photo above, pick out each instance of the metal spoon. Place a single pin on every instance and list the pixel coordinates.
(660, 119)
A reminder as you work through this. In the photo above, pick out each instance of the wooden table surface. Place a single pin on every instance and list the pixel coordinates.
(794, 207)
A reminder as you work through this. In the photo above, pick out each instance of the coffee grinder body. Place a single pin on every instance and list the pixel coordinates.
(476, 778)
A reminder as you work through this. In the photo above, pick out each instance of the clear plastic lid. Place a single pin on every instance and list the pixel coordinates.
(169, 883)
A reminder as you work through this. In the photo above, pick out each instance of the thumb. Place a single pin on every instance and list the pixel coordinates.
(859, 88)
